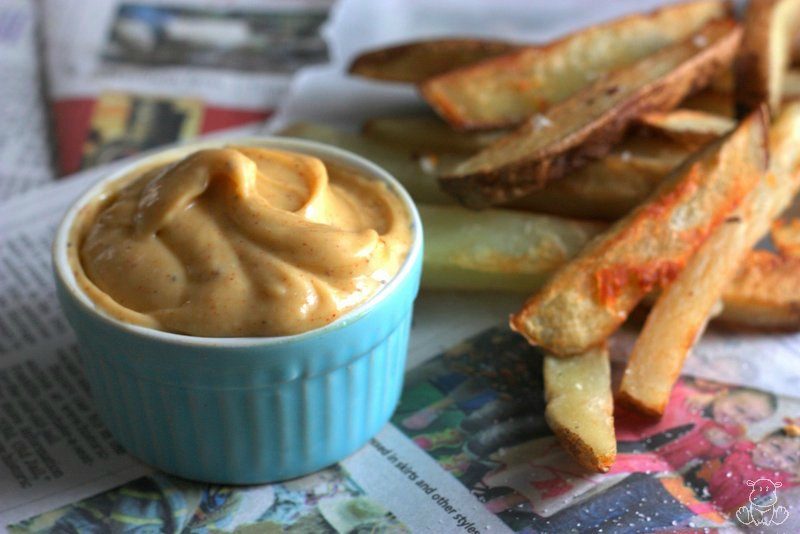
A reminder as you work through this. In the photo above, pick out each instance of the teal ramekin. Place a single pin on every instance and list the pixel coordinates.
(246, 410)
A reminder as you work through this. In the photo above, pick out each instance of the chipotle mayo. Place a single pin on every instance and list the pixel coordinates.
(240, 242)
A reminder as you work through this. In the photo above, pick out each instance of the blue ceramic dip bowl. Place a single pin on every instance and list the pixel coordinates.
(245, 410)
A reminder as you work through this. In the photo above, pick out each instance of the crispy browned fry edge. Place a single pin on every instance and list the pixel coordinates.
(580, 407)
(765, 52)
(417, 61)
(591, 296)
(504, 91)
(588, 124)
(691, 127)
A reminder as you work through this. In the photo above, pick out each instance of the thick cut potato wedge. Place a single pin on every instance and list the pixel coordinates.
(417, 61)
(691, 127)
(414, 170)
(427, 134)
(609, 188)
(590, 297)
(580, 407)
(496, 249)
(683, 309)
(588, 124)
(506, 90)
(765, 53)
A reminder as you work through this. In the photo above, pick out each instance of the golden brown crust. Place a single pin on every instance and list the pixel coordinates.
(587, 457)
(592, 295)
(417, 61)
(587, 125)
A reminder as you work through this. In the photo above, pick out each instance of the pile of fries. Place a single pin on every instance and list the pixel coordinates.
(639, 161)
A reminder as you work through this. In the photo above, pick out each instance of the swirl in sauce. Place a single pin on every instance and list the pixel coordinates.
(241, 241)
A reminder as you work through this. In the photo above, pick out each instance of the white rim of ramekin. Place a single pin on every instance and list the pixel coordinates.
(67, 277)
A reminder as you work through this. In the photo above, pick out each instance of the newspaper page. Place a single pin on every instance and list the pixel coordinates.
(25, 157)
(129, 75)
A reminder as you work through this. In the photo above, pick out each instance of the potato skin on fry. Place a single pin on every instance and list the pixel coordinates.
(590, 297)
(580, 407)
(415, 62)
(587, 125)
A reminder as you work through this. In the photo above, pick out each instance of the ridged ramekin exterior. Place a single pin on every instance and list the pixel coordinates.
(249, 412)
(231, 418)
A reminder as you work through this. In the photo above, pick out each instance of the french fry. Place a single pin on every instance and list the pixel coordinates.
(765, 53)
(765, 294)
(426, 134)
(417, 61)
(506, 90)
(609, 188)
(590, 297)
(588, 124)
(691, 127)
(580, 407)
(682, 311)
(415, 171)
(462, 249)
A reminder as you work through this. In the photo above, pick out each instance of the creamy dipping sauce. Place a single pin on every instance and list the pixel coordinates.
(240, 241)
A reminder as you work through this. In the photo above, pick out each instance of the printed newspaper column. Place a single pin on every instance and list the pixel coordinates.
(24, 152)
(394, 470)
(53, 447)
